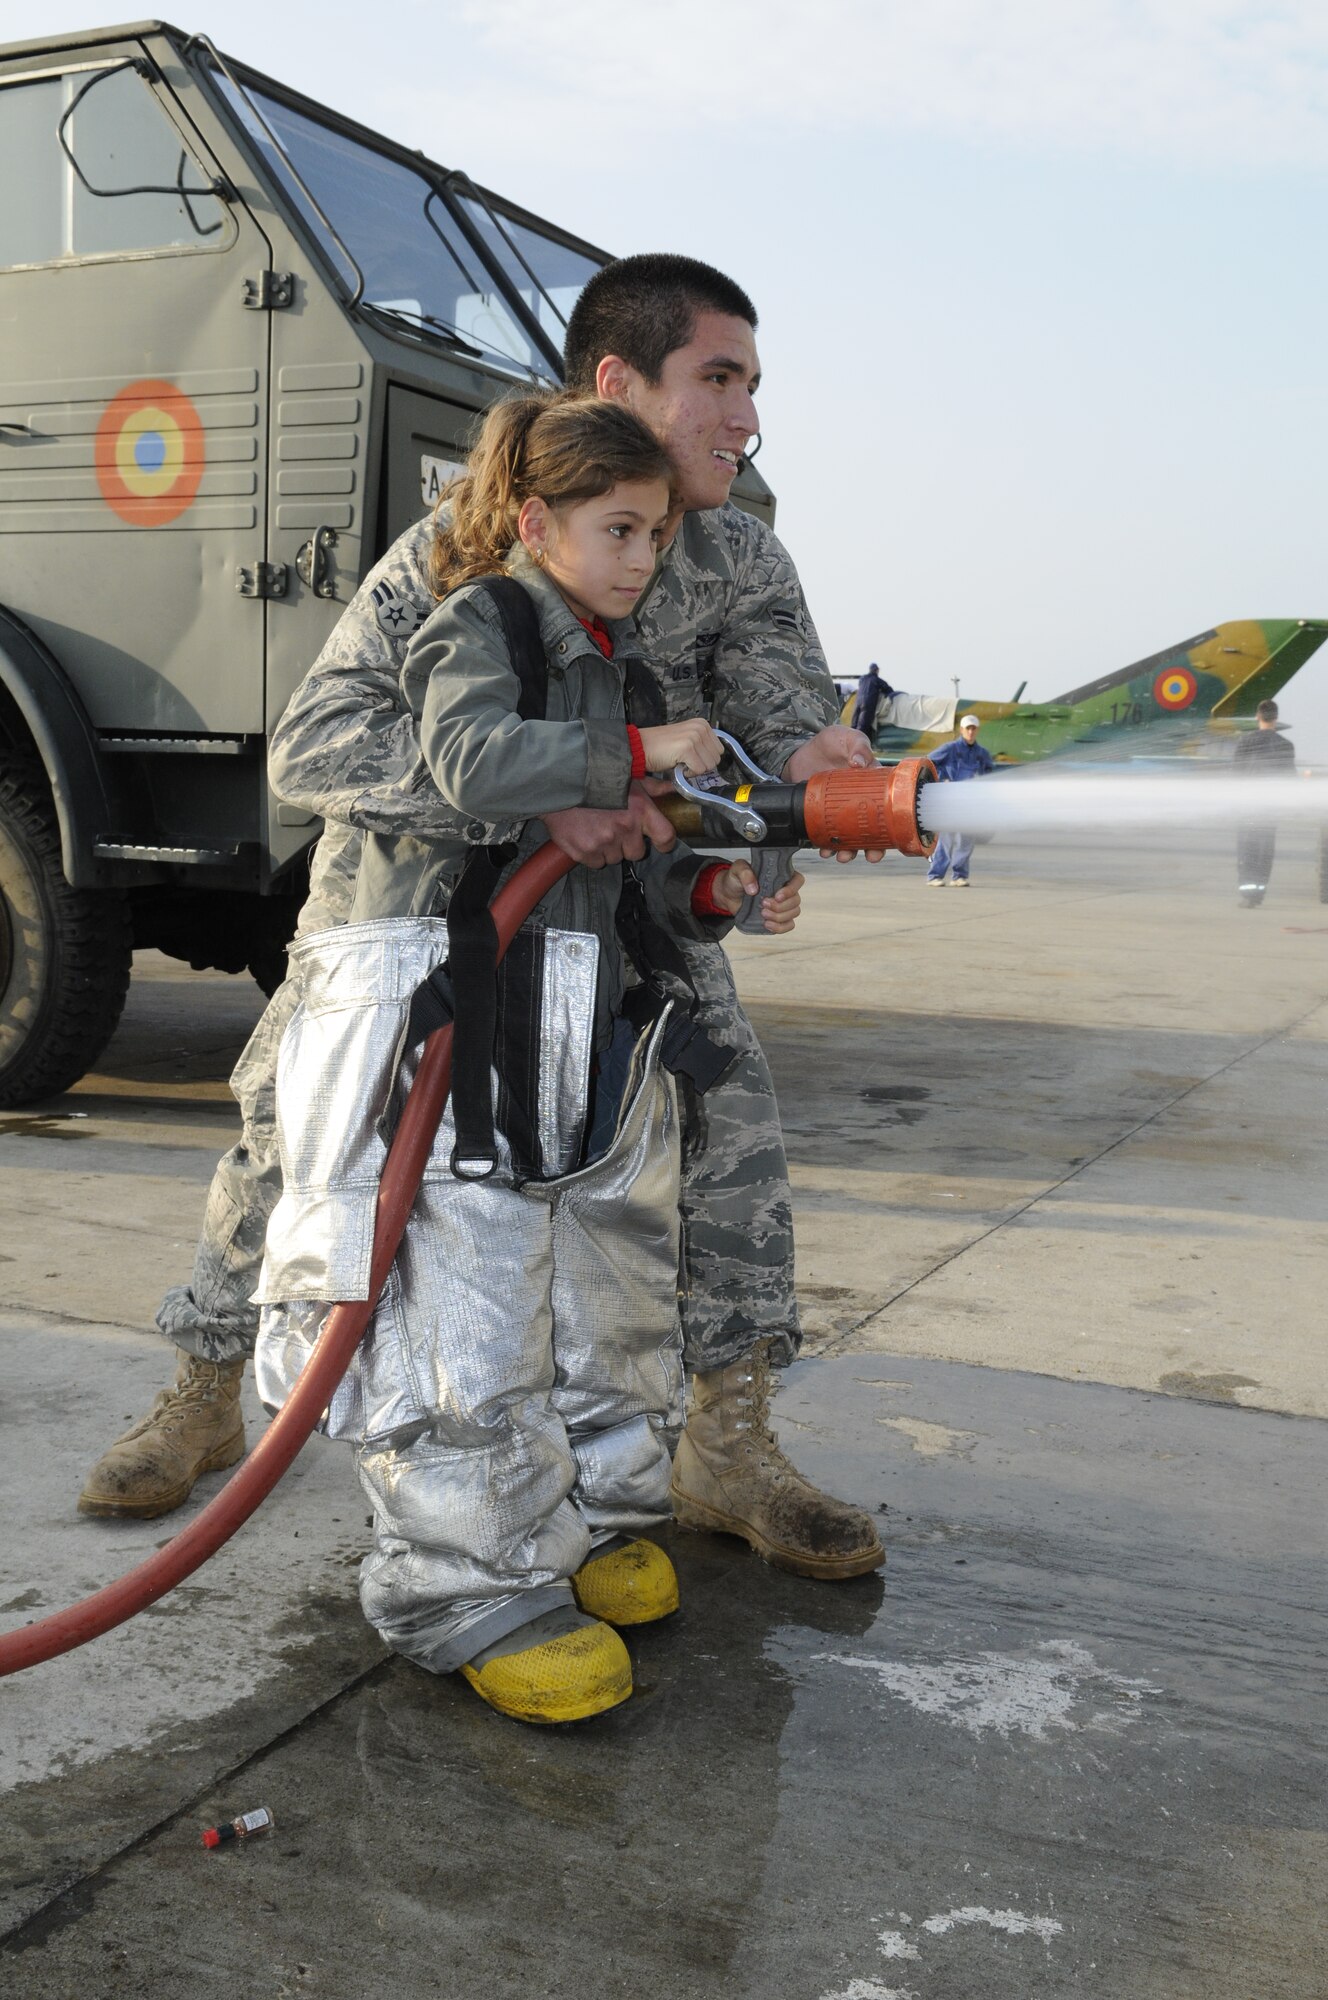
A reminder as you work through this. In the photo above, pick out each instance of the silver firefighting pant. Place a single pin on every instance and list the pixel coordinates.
(519, 1391)
(736, 1278)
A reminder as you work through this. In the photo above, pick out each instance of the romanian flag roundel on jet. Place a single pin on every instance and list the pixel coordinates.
(1176, 688)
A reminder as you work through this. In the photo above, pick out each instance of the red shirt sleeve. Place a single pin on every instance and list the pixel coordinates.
(637, 749)
(703, 901)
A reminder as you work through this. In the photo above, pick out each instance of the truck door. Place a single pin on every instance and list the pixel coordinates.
(427, 441)
(133, 397)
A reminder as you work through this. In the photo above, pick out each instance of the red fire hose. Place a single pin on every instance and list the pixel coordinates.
(342, 1331)
(846, 808)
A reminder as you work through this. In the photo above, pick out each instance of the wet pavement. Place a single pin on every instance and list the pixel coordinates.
(1069, 1742)
(1057, 1151)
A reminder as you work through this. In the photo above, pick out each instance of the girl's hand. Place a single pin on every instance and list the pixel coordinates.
(781, 911)
(693, 744)
(733, 885)
(737, 882)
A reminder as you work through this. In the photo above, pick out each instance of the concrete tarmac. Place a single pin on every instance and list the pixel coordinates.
(1057, 1147)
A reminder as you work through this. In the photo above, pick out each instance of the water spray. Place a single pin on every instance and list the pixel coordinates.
(1039, 801)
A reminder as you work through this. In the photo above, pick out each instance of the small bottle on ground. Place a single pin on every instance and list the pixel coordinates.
(257, 1821)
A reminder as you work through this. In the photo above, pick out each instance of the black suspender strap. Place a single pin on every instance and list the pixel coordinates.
(472, 940)
(644, 695)
(472, 961)
(687, 1049)
(525, 648)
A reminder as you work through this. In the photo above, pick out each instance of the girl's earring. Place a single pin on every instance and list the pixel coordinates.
(537, 555)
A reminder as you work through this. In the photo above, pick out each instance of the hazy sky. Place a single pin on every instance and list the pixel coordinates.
(1042, 282)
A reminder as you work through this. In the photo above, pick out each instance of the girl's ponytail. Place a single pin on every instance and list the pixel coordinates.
(561, 447)
(475, 520)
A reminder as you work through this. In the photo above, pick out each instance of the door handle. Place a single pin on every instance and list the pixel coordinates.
(311, 563)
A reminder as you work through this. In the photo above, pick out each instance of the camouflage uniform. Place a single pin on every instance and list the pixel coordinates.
(726, 632)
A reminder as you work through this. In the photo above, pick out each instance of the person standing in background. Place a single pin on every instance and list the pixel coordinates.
(1263, 753)
(962, 758)
(871, 691)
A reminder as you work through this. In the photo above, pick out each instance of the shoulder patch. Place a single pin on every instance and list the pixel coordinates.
(396, 615)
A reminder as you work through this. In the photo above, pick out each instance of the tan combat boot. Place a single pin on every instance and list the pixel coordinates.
(730, 1476)
(194, 1427)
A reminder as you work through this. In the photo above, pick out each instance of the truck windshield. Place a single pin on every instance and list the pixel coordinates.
(404, 240)
(548, 275)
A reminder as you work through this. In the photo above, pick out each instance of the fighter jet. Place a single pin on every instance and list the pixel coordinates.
(1187, 701)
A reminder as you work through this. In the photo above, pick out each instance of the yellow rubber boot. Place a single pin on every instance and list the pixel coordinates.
(564, 1679)
(630, 1585)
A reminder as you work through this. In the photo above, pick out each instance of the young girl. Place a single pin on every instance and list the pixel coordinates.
(516, 1400)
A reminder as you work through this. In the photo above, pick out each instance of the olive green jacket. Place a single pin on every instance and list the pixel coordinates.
(494, 769)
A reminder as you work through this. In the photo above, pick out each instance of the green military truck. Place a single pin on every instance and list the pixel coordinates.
(243, 342)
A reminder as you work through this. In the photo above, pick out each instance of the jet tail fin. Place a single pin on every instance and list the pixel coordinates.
(1221, 673)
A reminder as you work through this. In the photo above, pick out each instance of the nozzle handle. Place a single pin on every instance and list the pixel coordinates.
(748, 823)
(753, 770)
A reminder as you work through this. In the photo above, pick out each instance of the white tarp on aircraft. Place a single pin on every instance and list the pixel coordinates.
(918, 712)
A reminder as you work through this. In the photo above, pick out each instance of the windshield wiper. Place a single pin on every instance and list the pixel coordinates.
(405, 317)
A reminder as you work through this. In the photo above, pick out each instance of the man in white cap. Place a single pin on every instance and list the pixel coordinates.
(962, 758)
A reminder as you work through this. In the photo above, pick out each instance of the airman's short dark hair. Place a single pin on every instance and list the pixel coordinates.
(642, 309)
(1266, 711)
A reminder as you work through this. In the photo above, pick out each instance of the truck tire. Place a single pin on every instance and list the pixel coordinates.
(64, 953)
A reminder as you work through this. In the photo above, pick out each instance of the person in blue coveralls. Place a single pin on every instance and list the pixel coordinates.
(871, 691)
(964, 757)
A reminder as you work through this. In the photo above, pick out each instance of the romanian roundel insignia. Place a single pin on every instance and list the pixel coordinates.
(149, 453)
(1176, 688)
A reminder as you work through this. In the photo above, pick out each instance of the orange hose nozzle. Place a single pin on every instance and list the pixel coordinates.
(875, 808)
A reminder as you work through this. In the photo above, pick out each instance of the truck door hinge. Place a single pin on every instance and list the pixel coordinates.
(269, 291)
(261, 579)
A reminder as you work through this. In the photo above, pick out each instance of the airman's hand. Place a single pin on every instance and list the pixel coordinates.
(829, 750)
(834, 748)
(641, 797)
